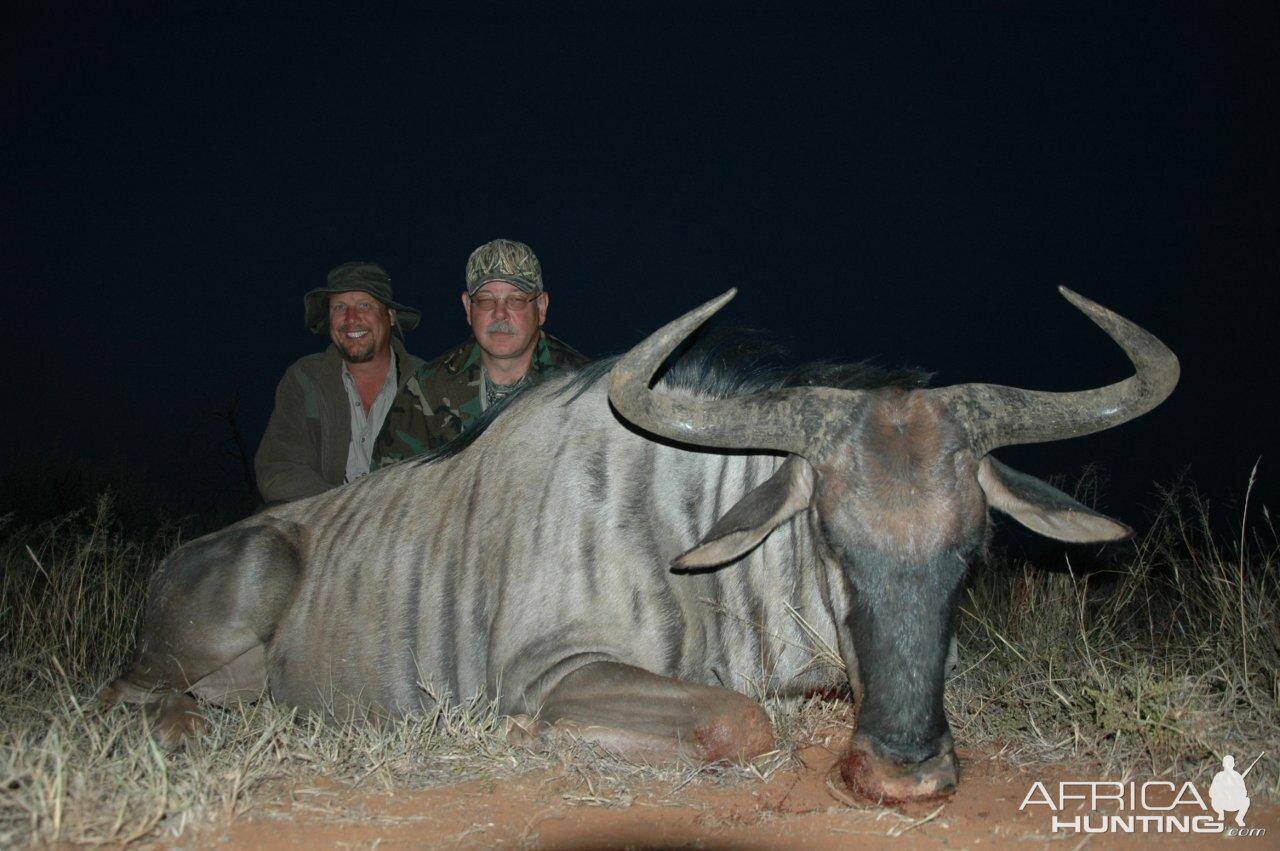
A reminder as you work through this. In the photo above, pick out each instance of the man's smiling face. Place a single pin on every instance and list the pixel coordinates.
(359, 325)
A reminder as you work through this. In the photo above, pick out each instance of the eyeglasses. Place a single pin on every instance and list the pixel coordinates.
(514, 302)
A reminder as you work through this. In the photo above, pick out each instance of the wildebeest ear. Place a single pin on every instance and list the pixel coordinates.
(1043, 508)
(763, 509)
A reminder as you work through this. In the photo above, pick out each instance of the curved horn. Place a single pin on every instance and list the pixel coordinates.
(784, 420)
(997, 416)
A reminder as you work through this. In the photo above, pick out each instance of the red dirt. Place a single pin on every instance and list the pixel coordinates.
(794, 809)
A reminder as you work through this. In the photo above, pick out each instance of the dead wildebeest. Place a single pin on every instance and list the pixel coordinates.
(533, 562)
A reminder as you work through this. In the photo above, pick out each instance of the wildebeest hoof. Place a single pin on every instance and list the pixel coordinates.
(877, 780)
(174, 720)
(523, 730)
(739, 733)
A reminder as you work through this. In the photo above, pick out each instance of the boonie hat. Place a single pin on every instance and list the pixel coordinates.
(504, 260)
(357, 275)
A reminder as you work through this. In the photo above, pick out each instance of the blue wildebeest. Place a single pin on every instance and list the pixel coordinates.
(535, 565)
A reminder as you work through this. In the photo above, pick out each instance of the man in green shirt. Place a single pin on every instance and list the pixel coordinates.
(331, 407)
(506, 306)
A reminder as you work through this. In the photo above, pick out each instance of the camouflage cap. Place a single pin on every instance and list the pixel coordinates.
(362, 276)
(504, 260)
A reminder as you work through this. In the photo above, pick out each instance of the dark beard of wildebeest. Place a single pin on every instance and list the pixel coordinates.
(619, 562)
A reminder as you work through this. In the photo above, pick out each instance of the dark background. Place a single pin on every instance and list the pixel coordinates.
(911, 188)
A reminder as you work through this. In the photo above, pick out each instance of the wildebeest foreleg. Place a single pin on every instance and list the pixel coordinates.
(214, 605)
(649, 718)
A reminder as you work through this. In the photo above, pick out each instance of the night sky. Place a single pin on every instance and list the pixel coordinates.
(911, 189)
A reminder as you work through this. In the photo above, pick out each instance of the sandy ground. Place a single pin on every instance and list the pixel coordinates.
(794, 809)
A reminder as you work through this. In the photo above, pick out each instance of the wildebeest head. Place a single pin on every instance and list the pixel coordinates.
(898, 483)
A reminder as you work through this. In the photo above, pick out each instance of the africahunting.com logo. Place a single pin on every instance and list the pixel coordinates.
(1154, 806)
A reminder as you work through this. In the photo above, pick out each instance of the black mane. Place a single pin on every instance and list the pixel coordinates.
(725, 361)
(719, 362)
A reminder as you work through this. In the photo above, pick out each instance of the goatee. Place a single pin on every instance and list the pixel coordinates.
(359, 356)
(360, 350)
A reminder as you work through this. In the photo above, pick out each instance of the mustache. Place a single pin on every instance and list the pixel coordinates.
(500, 326)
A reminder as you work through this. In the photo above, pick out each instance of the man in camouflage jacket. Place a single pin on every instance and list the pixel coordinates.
(506, 306)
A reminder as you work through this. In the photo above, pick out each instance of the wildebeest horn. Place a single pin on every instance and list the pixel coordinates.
(793, 419)
(785, 420)
(997, 416)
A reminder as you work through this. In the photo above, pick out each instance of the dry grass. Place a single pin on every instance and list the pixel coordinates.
(1149, 671)
(1155, 669)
